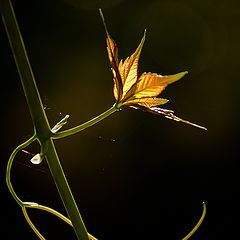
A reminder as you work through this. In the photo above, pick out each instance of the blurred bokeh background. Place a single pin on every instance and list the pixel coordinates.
(134, 175)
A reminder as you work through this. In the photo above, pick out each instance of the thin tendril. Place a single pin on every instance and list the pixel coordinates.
(198, 223)
(9, 165)
(54, 212)
(31, 223)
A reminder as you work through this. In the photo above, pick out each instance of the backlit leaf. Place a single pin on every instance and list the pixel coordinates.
(129, 68)
(169, 114)
(139, 92)
(151, 84)
(113, 58)
(147, 102)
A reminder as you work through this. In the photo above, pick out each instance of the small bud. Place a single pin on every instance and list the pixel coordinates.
(37, 159)
(59, 125)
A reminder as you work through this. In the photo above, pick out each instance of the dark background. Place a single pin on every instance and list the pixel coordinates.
(134, 175)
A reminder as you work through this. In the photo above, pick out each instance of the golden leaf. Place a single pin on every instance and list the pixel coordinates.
(151, 84)
(129, 68)
(113, 58)
(139, 92)
(147, 102)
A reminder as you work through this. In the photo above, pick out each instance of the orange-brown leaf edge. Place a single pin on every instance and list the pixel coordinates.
(151, 85)
(146, 102)
(113, 58)
(128, 69)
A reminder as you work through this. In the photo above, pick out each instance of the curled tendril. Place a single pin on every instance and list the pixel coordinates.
(9, 165)
(198, 223)
(50, 210)
(25, 205)
(30, 223)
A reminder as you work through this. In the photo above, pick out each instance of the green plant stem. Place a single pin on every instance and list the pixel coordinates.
(85, 125)
(41, 125)
(64, 191)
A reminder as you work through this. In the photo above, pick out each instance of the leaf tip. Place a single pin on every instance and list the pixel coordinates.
(182, 74)
(142, 41)
(103, 20)
(100, 12)
(144, 34)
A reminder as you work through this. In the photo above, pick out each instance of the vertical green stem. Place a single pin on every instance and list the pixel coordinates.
(64, 191)
(39, 118)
